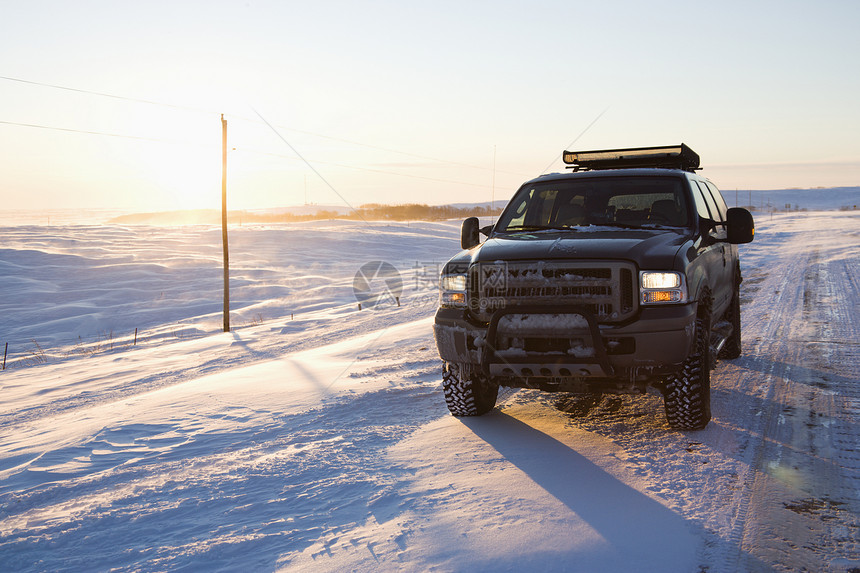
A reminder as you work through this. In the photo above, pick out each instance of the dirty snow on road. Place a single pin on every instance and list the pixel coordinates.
(314, 436)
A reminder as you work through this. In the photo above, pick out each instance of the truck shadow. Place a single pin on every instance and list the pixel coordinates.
(641, 533)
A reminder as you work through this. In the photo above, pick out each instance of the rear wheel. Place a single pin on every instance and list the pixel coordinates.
(467, 393)
(687, 396)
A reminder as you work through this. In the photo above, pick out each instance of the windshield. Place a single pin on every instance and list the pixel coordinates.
(630, 202)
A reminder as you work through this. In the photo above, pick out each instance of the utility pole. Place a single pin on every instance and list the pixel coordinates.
(224, 223)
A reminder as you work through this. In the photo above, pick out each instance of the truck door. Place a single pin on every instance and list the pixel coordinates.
(718, 257)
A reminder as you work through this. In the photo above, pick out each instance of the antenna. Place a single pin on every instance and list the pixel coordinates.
(571, 144)
(493, 196)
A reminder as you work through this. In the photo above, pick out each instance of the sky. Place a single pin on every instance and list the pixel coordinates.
(117, 105)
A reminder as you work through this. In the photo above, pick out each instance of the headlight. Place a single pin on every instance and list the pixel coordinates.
(660, 280)
(662, 287)
(454, 283)
(453, 291)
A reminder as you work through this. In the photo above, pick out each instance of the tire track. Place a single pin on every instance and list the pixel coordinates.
(767, 330)
(797, 505)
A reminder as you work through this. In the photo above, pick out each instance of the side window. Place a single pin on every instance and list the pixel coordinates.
(533, 208)
(712, 206)
(519, 215)
(718, 198)
(701, 205)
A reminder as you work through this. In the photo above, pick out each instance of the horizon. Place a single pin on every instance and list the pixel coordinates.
(499, 202)
(760, 201)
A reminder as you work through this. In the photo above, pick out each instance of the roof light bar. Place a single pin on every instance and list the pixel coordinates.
(666, 157)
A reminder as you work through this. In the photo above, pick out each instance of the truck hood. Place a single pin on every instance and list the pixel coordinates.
(650, 248)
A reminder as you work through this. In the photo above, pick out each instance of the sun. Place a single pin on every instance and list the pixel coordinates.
(174, 155)
(186, 176)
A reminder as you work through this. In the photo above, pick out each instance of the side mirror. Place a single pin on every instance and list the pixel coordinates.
(469, 233)
(487, 230)
(740, 224)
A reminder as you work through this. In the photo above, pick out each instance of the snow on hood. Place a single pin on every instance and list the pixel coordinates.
(651, 248)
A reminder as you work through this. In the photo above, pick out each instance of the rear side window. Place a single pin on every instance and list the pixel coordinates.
(718, 198)
(712, 205)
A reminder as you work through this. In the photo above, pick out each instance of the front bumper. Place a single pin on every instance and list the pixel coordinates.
(654, 343)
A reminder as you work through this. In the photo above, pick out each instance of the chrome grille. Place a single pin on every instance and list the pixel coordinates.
(604, 288)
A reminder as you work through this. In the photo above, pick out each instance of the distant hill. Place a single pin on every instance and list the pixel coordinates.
(820, 199)
(370, 212)
(302, 210)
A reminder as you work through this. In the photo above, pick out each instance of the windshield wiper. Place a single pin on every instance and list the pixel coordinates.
(618, 225)
(518, 228)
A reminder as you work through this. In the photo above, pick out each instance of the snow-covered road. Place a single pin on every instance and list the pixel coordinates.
(315, 437)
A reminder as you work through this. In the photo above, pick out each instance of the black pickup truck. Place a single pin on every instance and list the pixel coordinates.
(618, 275)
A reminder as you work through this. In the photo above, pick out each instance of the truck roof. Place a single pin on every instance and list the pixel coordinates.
(640, 172)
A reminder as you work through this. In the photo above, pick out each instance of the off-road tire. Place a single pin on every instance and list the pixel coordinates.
(732, 348)
(467, 393)
(687, 395)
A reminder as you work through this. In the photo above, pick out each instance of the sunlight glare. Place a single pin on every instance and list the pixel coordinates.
(187, 177)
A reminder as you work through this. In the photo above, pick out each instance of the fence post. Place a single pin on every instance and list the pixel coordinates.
(5, 351)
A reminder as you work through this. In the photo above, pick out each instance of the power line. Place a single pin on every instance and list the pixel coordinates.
(245, 150)
(357, 168)
(103, 94)
(248, 119)
(324, 180)
(406, 153)
(103, 133)
(410, 175)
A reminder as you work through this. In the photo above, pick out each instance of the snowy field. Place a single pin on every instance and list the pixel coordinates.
(314, 436)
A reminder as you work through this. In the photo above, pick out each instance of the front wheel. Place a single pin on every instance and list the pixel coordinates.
(687, 396)
(467, 393)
